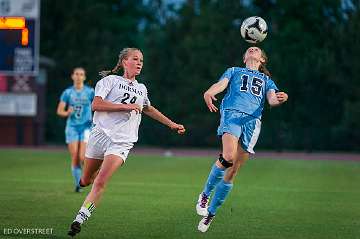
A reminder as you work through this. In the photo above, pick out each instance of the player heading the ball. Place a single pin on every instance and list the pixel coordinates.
(239, 129)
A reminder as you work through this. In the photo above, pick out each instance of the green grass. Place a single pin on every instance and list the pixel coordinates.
(153, 197)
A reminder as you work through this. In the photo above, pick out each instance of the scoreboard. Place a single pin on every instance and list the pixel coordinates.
(19, 37)
(19, 57)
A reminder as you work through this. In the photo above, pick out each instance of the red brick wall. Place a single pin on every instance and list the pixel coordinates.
(17, 131)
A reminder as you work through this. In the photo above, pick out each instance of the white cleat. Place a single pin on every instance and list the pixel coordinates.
(204, 224)
(202, 205)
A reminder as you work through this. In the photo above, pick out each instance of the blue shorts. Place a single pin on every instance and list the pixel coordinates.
(243, 126)
(77, 133)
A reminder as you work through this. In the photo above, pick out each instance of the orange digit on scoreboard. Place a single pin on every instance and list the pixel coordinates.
(25, 37)
(12, 23)
(16, 23)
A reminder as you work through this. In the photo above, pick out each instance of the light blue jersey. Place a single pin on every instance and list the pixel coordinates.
(242, 106)
(246, 91)
(80, 101)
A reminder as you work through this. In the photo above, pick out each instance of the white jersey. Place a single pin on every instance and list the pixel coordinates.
(122, 126)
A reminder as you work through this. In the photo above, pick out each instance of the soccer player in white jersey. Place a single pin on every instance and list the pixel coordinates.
(118, 104)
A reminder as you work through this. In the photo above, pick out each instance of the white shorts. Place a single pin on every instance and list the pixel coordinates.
(101, 145)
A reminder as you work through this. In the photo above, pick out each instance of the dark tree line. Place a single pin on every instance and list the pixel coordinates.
(313, 48)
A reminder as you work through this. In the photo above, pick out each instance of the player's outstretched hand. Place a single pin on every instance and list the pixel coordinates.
(135, 107)
(209, 102)
(282, 97)
(180, 129)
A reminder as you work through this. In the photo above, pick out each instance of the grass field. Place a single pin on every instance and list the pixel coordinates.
(153, 197)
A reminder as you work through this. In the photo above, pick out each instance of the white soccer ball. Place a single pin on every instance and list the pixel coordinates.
(254, 29)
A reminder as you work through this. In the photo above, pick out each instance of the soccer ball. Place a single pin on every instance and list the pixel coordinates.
(254, 29)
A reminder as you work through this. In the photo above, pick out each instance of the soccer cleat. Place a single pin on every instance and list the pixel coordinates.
(202, 205)
(75, 228)
(204, 224)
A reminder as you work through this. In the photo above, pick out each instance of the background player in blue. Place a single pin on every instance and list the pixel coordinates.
(239, 128)
(75, 104)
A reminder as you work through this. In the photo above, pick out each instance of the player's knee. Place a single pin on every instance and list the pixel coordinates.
(226, 160)
(229, 156)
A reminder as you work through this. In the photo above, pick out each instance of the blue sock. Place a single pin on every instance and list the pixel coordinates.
(76, 172)
(216, 174)
(221, 192)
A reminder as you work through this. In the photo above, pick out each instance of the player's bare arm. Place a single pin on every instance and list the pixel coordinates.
(215, 89)
(99, 104)
(61, 110)
(155, 114)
